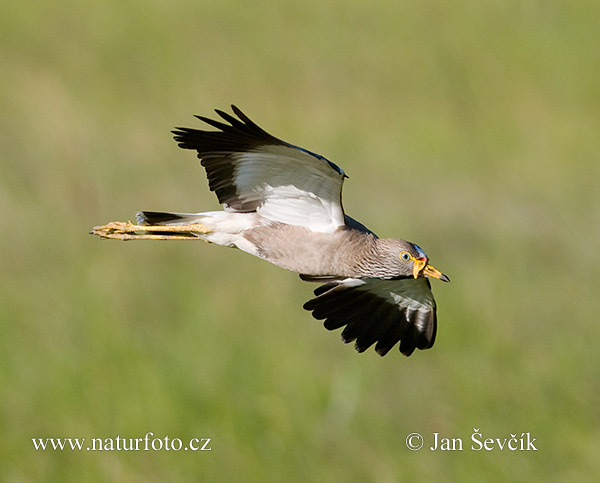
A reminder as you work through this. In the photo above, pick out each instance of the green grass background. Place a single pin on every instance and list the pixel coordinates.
(469, 127)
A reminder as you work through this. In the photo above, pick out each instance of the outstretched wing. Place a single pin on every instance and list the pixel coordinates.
(378, 311)
(251, 170)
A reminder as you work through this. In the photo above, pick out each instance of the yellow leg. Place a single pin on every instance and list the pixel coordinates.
(120, 230)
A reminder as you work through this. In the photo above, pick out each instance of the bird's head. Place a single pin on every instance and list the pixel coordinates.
(408, 259)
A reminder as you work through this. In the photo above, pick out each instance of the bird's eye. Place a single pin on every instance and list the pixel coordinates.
(405, 256)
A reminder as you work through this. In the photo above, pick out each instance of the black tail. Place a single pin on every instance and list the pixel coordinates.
(155, 218)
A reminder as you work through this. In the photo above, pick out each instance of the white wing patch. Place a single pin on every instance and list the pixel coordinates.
(404, 292)
(411, 295)
(294, 187)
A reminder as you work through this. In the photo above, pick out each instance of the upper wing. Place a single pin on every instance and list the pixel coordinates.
(379, 311)
(250, 170)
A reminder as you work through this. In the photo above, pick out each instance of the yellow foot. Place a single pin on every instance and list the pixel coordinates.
(120, 230)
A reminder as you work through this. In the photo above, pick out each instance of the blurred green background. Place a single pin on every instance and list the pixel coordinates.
(469, 127)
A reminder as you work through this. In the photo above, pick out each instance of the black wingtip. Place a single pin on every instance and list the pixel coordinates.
(370, 316)
(238, 112)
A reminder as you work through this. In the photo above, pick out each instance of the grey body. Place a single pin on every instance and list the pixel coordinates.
(346, 253)
(298, 249)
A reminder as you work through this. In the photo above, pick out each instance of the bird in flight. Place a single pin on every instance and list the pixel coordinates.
(282, 203)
